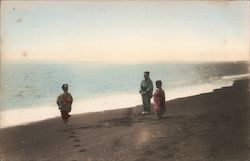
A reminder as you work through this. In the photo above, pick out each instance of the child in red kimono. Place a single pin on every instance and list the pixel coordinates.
(159, 99)
(64, 102)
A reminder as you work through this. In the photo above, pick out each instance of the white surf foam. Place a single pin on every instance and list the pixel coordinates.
(236, 77)
(24, 116)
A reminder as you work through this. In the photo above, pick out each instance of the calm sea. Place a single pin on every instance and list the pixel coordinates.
(33, 87)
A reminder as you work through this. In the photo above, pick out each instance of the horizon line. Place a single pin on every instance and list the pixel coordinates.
(121, 62)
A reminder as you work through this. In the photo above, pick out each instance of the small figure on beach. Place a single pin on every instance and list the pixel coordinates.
(64, 102)
(146, 90)
(159, 100)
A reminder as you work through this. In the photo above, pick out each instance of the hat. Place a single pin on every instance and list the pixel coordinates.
(147, 72)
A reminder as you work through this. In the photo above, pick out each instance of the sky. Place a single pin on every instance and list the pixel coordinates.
(125, 31)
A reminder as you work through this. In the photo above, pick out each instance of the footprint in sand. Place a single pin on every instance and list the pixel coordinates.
(82, 150)
(77, 145)
(72, 136)
(76, 140)
(72, 132)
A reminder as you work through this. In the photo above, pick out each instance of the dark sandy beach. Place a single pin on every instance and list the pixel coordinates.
(206, 127)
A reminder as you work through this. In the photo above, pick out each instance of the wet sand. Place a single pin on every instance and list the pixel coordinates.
(206, 127)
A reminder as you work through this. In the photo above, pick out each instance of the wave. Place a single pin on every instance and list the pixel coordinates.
(22, 116)
(236, 77)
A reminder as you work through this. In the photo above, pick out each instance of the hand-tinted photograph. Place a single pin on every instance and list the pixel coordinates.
(124, 80)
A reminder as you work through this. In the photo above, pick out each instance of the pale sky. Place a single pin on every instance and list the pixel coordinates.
(125, 31)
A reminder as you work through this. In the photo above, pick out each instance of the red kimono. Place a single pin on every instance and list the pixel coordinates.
(159, 100)
(64, 101)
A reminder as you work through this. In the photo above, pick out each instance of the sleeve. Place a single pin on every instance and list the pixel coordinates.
(150, 87)
(154, 97)
(71, 99)
(59, 100)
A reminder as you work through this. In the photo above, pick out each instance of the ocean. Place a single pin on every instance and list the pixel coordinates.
(29, 90)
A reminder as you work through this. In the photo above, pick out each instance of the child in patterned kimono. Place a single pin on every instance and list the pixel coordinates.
(64, 102)
(159, 99)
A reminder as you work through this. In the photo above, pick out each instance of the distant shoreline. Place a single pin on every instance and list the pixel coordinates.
(118, 63)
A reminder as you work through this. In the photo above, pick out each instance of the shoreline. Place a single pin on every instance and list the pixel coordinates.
(205, 127)
(101, 103)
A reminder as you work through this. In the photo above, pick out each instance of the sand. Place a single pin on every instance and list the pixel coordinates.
(205, 127)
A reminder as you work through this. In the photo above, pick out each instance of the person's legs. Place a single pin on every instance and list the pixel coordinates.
(144, 103)
(65, 116)
(147, 103)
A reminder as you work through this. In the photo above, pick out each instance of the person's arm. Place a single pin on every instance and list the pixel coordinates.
(150, 88)
(154, 97)
(71, 99)
(59, 101)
